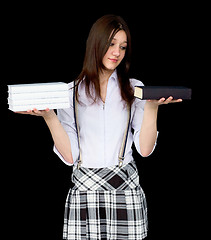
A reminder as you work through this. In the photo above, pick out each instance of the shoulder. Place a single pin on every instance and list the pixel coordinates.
(135, 82)
(70, 91)
(71, 85)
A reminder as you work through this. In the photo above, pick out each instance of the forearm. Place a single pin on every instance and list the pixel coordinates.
(59, 135)
(148, 133)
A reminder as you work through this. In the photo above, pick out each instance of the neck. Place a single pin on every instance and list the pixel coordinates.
(103, 80)
(104, 76)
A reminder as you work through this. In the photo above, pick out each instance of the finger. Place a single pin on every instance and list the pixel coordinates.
(24, 112)
(160, 101)
(40, 112)
(178, 100)
(175, 100)
(168, 100)
(21, 112)
(36, 111)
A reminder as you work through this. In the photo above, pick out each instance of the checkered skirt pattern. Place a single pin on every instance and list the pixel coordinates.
(105, 203)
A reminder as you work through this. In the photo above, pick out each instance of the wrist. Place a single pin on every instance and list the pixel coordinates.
(48, 116)
(151, 105)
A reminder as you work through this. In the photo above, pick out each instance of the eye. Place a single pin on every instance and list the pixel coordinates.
(123, 47)
(111, 44)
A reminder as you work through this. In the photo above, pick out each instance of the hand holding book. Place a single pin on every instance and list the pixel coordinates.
(47, 113)
(165, 100)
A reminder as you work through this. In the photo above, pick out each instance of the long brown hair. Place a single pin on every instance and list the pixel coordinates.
(98, 42)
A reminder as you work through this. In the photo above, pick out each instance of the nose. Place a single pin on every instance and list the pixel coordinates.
(116, 52)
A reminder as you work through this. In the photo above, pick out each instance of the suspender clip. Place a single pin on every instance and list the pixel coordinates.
(121, 161)
(79, 164)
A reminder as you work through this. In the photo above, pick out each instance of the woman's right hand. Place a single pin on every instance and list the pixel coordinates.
(39, 113)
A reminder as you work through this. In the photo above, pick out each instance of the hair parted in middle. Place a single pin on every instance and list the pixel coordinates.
(98, 42)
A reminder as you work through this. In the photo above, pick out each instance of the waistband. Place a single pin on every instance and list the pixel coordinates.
(106, 179)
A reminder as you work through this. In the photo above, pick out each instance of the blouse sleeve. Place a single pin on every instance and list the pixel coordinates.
(137, 118)
(66, 117)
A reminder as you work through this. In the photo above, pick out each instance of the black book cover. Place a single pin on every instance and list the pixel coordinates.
(157, 92)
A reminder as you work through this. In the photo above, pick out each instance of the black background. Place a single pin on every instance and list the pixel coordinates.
(42, 43)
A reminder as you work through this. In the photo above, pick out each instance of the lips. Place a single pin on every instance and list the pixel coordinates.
(113, 60)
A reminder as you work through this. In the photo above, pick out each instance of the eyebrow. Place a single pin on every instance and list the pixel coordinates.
(122, 42)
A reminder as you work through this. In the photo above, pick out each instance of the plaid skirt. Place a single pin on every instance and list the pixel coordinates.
(105, 203)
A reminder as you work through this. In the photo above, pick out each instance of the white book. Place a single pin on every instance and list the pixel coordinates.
(34, 95)
(37, 87)
(37, 101)
(39, 106)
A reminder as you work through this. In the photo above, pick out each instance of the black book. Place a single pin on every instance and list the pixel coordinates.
(157, 92)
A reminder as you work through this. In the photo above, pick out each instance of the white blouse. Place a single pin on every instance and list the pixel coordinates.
(102, 126)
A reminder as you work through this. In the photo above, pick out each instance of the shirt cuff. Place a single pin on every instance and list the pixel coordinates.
(60, 156)
(138, 146)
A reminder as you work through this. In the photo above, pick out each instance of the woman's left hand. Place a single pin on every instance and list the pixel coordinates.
(164, 101)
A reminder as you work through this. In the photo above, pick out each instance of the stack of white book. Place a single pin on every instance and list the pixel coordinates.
(23, 97)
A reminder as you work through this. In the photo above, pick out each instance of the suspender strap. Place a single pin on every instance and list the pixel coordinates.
(124, 141)
(75, 109)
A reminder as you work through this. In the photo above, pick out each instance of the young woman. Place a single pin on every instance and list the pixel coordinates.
(95, 135)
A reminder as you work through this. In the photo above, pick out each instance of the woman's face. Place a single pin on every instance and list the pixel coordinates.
(116, 51)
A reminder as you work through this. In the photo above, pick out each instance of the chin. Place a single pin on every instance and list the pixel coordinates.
(111, 68)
